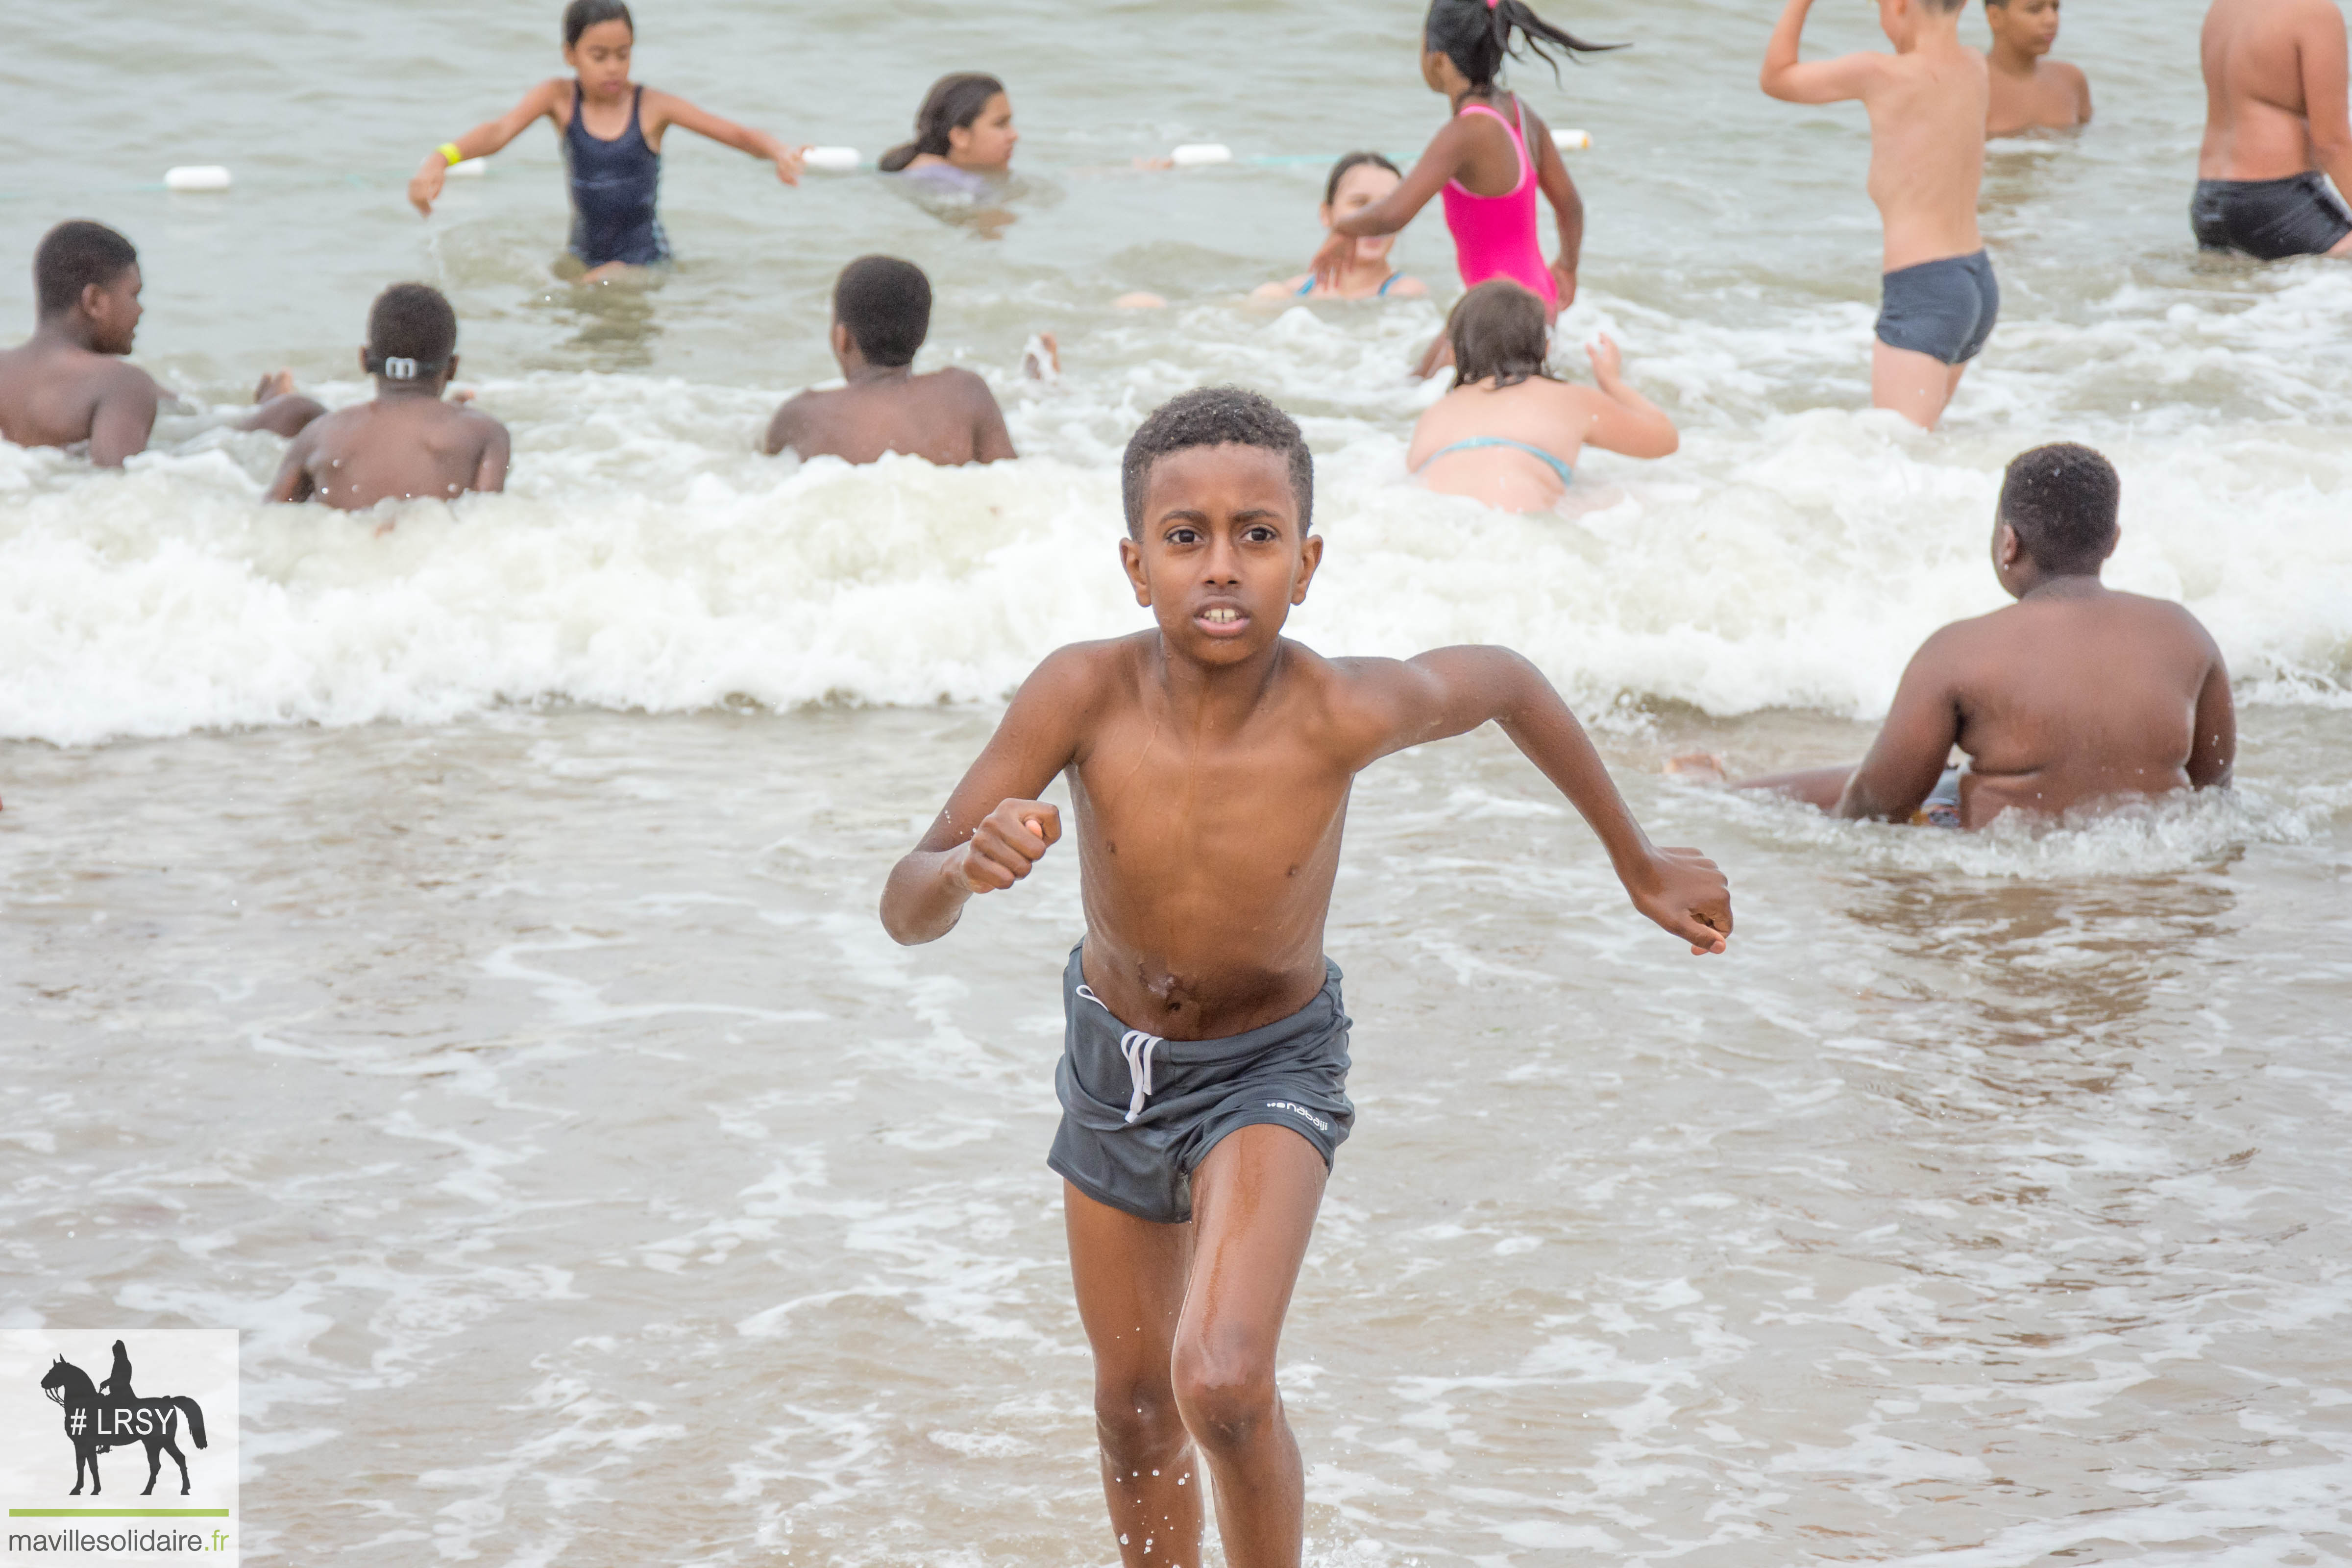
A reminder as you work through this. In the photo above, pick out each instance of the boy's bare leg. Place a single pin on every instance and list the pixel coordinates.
(278, 408)
(1914, 385)
(1254, 1203)
(1130, 1276)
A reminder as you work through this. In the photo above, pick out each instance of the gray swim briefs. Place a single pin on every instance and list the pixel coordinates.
(2269, 219)
(1944, 307)
(1140, 1113)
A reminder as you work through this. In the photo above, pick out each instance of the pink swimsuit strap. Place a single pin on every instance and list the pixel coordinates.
(1494, 237)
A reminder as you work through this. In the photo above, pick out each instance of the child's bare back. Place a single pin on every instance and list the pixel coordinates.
(2076, 697)
(407, 442)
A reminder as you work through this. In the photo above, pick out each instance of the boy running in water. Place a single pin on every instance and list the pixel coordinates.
(1928, 103)
(1204, 1080)
(2030, 90)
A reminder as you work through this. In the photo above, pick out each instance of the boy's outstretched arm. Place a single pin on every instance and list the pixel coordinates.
(1453, 690)
(994, 828)
(1923, 724)
(668, 108)
(425, 186)
(1791, 79)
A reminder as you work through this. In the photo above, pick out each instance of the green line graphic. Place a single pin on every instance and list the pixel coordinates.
(117, 1514)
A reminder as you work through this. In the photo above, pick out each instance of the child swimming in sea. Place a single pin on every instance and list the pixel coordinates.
(2030, 91)
(612, 135)
(1509, 434)
(963, 134)
(1204, 1066)
(409, 441)
(1358, 180)
(1489, 160)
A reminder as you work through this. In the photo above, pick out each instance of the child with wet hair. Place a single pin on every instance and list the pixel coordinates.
(611, 131)
(963, 132)
(1204, 1066)
(2075, 698)
(1357, 181)
(881, 314)
(408, 442)
(1509, 434)
(1492, 157)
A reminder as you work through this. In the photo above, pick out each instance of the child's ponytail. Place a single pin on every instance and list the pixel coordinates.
(1476, 35)
(953, 104)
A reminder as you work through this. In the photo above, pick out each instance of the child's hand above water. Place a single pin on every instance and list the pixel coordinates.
(1608, 359)
(1008, 841)
(789, 161)
(1687, 894)
(1331, 258)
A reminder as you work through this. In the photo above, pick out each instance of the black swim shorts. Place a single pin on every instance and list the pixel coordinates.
(1944, 308)
(1140, 1113)
(2269, 219)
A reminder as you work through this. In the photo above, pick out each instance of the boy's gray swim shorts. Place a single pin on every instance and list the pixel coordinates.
(1140, 1113)
(1944, 308)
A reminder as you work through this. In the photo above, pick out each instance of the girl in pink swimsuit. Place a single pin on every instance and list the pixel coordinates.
(1489, 160)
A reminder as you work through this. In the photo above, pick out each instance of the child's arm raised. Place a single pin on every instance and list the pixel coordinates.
(1453, 690)
(994, 828)
(1785, 77)
(425, 186)
(667, 109)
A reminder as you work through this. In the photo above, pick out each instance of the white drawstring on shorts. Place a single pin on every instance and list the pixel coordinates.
(1135, 1047)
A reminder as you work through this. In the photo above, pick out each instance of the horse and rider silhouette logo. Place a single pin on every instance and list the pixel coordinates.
(111, 1417)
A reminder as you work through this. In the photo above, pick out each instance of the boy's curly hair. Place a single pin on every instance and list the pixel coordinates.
(1215, 417)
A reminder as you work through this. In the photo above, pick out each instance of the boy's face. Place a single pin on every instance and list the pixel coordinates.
(1220, 555)
(602, 57)
(2031, 26)
(113, 311)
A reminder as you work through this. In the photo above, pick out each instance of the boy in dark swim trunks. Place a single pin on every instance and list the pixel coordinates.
(408, 442)
(611, 137)
(68, 382)
(1927, 104)
(2275, 117)
(1203, 1077)
(2074, 697)
(881, 313)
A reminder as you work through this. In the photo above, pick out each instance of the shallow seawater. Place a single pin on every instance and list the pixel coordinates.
(447, 953)
(597, 1184)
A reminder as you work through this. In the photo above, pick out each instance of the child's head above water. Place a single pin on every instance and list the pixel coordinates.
(965, 119)
(2060, 501)
(78, 256)
(1358, 180)
(598, 37)
(1215, 417)
(1499, 330)
(884, 306)
(412, 343)
(1475, 37)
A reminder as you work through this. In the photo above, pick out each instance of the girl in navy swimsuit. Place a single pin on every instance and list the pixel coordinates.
(612, 129)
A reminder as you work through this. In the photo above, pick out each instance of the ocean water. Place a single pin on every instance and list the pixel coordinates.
(447, 953)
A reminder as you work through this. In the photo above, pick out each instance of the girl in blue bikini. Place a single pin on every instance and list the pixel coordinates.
(1509, 434)
(1357, 182)
(612, 131)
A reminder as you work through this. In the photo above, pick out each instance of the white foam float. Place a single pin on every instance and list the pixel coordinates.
(1572, 141)
(832, 160)
(196, 177)
(469, 169)
(1200, 154)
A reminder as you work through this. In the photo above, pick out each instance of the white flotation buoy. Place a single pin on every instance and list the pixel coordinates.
(469, 169)
(1572, 141)
(196, 177)
(832, 160)
(1200, 154)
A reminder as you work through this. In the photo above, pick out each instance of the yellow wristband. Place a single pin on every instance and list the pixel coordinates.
(449, 151)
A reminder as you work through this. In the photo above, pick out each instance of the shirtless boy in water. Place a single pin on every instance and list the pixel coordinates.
(881, 314)
(407, 442)
(1204, 1080)
(1927, 104)
(69, 382)
(2030, 91)
(2275, 117)
(2077, 696)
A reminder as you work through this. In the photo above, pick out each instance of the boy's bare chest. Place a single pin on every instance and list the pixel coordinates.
(1149, 797)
